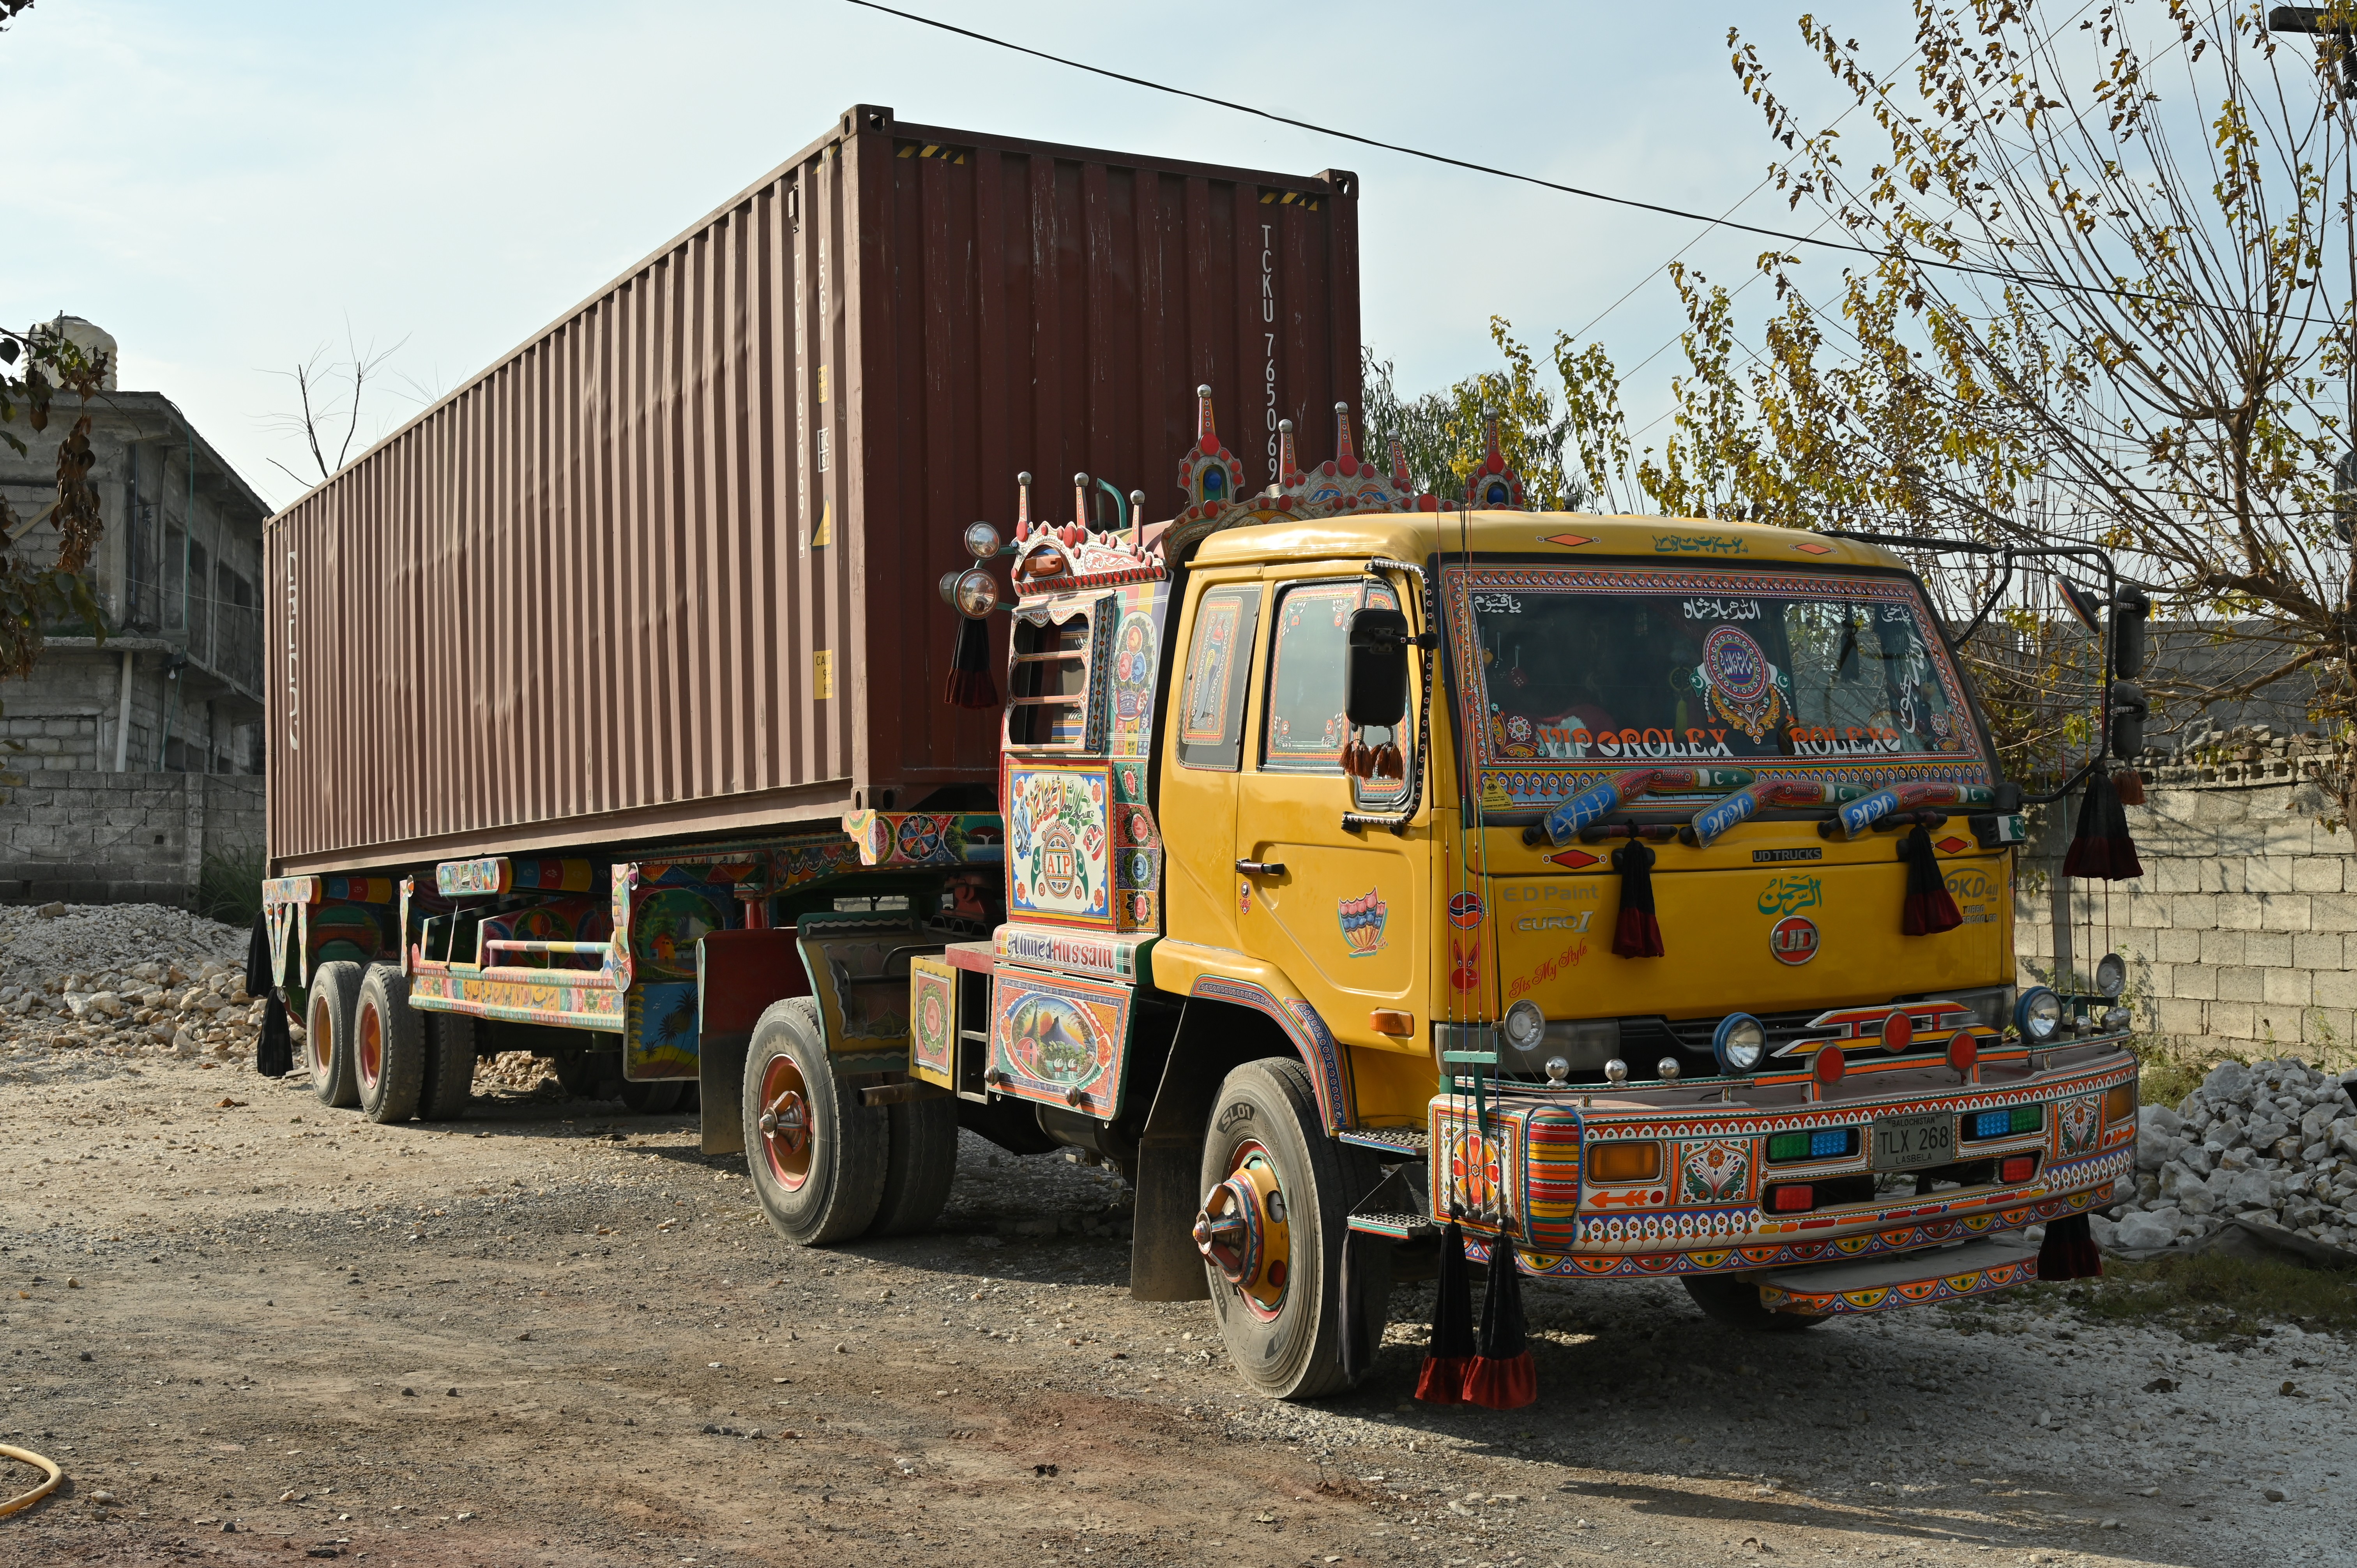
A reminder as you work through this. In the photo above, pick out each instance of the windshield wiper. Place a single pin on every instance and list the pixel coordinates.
(1599, 801)
(1717, 818)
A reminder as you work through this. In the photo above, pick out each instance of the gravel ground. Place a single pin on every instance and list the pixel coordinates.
(556, 1334)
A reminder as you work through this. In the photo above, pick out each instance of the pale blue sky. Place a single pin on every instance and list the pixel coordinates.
(222, 185)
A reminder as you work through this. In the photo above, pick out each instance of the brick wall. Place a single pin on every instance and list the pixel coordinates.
(2243, 930)
(113, 838)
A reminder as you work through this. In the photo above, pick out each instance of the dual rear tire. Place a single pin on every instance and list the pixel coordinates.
(826, 1165)
(369, 1048)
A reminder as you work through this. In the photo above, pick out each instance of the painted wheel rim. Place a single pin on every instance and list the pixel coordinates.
(371, 1055)
(1244, 1230)
(785, 1123)
(321, 1044)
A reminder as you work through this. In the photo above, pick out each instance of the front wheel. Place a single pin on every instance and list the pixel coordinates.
(1278, 1193)
(816, 1155)
(1736, 1304)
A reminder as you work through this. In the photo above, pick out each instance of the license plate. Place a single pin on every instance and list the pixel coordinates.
(1903, 1143)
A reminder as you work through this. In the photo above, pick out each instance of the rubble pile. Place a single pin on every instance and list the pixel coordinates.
(2274, 1143)
(124, 979)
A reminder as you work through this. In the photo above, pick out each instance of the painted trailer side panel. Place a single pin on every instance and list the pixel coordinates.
(670, 567)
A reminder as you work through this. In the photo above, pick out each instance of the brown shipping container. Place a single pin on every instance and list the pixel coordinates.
(670, 567)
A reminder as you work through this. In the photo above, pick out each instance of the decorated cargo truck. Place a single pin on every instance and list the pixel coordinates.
(1386, 886)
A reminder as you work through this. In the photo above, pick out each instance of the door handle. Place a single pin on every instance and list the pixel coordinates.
(1261, 867)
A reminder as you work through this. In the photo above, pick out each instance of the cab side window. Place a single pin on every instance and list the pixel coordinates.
(1306, 729)
(1219, 671)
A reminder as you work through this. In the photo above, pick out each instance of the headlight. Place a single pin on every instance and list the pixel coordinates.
(2112, 976)
(2038, 1013)
(1526, 1026)
(1738, 1043)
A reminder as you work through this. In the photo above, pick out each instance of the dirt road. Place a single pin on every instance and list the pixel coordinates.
(554, 1333)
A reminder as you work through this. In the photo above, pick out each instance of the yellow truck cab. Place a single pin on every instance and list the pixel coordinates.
(1633, 894)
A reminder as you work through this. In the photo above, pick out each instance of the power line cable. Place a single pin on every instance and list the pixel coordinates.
(2000, 274)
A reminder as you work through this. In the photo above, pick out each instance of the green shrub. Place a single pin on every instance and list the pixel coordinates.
(228, 885)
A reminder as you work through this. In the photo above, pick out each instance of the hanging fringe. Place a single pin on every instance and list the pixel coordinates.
(1442, 1380)
(274, 1052)
(2068, 1252)
(970, 685)
(1637, 933)
(2101, 847)
(1929, 909)
(1502, 1376)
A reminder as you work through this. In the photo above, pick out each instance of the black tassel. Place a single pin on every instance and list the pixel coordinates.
(2101, 847)
(1442, 1380)
(259, 980)
(1637, 933)
(1929, 909)
(970, 685)
(274, 1050)
(2068, 1252)
(1502, 1376)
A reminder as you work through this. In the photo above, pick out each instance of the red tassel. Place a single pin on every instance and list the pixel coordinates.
(1509, 1384)
(970, 685)
(2068, 1252)
(1929, 909)
(1501, 1376)
(1442, 1381)
(1637, 933)
(2101, 847)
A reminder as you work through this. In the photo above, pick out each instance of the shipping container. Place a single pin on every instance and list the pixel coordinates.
(670, 567)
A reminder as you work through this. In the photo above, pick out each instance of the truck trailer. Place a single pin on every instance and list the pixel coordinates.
(1381, 882)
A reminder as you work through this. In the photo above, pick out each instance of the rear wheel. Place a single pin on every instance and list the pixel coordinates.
(919, 1168)
(1736, 1304)
(449, 1067)
(388, 1046)
(579, 1072)
(817, 1156)
(328, 1032)
(1277, 1192)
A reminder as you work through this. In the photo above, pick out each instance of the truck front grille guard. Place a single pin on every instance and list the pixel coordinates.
(1427, 643)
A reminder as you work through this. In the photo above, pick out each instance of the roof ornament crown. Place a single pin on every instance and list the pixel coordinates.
(1494, 485)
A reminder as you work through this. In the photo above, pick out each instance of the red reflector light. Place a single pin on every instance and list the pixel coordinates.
(1963, 1050)
(1898, 1033)
(1829, 1064)
(2019, 1168)
(1793, 1199)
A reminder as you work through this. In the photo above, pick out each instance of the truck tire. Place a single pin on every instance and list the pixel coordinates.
(918, 1169)
(388, 1046)
(328, 1032)
(1281, 1318)
(576, 1074)
(818, 1166)
(1736, 1304)
(657, 1098)
(449, 1067)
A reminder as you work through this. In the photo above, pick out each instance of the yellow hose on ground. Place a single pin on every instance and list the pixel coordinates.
(17, 1505)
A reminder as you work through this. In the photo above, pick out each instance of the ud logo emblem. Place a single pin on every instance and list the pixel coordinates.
(1793, 939)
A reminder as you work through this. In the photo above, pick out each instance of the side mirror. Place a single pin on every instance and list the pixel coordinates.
(2130, 708)
(1375, 676)
(2128, 613)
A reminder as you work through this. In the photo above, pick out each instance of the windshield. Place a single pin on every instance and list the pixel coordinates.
(1569, 675)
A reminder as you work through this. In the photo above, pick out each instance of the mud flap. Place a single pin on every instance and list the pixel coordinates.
(720, 1092)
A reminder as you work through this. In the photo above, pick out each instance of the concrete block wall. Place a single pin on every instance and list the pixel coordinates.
(2243, 930)
(116, 838)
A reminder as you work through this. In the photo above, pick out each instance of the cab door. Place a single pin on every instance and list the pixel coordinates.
(1347, 916)
(1206, 751)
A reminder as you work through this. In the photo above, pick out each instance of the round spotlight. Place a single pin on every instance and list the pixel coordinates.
(1526, 1026)
(977, 593)
(1667, 1069)
(949, 589)
(1617, 1071)
(1898, 1031)
(981, 541)
(2112, 975)
(1828, 1065)
(2039, 1015)
(1738, 1043)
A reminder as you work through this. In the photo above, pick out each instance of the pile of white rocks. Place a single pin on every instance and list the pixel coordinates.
(2274, 1143)
(125, 977)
